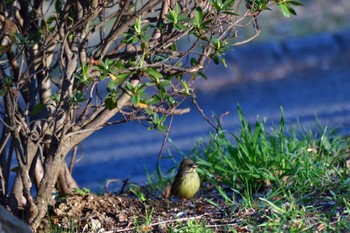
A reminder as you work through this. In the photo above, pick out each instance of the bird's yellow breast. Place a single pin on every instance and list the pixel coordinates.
(189, 185)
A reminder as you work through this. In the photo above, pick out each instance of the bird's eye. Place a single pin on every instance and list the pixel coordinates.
(190, 165)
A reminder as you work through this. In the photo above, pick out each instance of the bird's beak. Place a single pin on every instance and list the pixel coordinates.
(194, 166)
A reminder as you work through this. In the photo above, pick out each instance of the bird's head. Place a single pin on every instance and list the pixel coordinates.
(187, 165)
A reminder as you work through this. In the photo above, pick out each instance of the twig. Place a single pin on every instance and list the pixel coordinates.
(221, 225)
(4, 143)
(163, 143)
(125, 182)
(257, 33)
(7, 125)
(71, 163)
(203, 114)
(164, 222)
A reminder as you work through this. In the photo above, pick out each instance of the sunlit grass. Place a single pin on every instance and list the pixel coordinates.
(191, 226)
(262, 178)
(296, 180)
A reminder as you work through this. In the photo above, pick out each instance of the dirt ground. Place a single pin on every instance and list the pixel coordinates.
(123, 213)
(112, 213)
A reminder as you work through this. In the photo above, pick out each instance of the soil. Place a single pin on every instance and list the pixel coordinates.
(87, 212)
(120, 213)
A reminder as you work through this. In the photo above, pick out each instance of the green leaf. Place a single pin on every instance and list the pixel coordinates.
(163, 93)
(135, 99)
(212, 203)
(112, 85)
(284, 10)
(149, 111)
(2, 92)
(216, 5)
(173, 47)
(58, 6)
(287, 10)
(15, 169)
(202, 75)
(180, 27)
(228, 4)
(185, 86)
(110, 104)
(79, 96)
(230, 13)
(325, 143)
(55, 97)
(137, 26)
(216, 42)
(83, 191)
(223, 60)
(193, 61)
(183, 18)
(120, 78)
(294, 3)
(174, 14)
(37, 109)
(215, 59)
(4, 49)
(198, 19)
(275, 207)
(154, 73)
(136, 190)
(292, 11)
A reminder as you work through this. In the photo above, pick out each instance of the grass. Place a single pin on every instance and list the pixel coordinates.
(143, 223)
(268, 180)
(294, 180)
(191, 226)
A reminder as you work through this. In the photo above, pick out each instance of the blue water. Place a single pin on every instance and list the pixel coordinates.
(310, 87)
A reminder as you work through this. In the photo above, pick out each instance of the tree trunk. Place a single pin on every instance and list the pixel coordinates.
(54, 161)
(16, 199)
(66, 183)
(52, 168)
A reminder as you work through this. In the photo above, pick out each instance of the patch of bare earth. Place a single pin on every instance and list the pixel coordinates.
(113, 213)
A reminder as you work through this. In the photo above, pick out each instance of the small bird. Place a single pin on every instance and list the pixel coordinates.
(186, 182)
